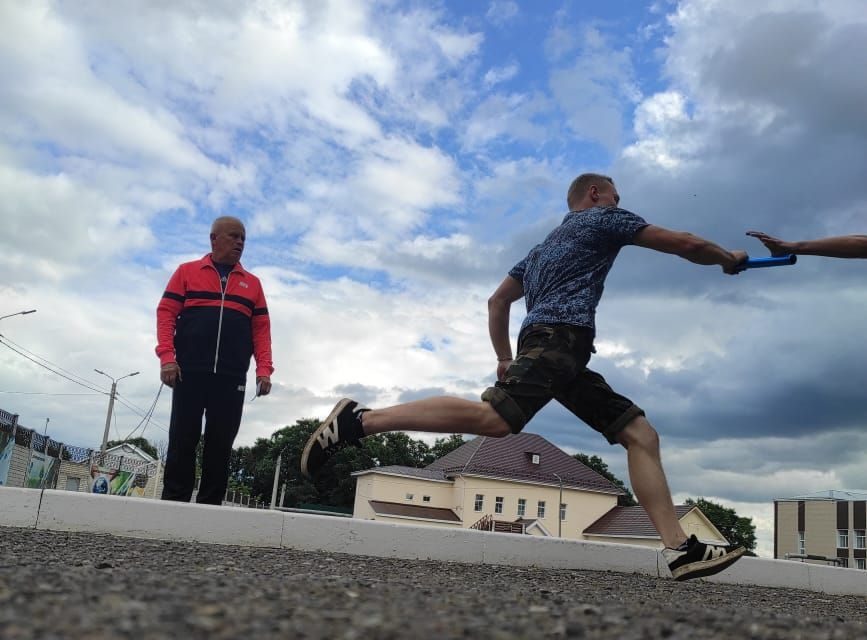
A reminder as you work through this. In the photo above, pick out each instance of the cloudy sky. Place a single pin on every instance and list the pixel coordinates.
(392, 160)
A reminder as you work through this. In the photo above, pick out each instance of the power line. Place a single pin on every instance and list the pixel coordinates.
(42, 393)
(147, 417)
(6, 342)
(53, 364)
(24, 355)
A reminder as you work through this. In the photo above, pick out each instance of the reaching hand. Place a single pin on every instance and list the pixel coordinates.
(735, 268)
(776, 246)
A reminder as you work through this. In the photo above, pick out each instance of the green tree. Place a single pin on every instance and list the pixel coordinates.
(737, 530)
(598, 465)
(444, 446)
(141, 443)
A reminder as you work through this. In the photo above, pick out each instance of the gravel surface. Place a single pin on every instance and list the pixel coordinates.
(70, 586)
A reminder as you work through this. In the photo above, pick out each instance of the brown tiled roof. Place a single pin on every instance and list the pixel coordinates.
(412, 511)
(508, 458)
(414, 472)
(631, 521)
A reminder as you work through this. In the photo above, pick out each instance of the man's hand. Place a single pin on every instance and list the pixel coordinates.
(733, 268)
(502, 365)
(170, 374)
(263, 385)
(776, 246)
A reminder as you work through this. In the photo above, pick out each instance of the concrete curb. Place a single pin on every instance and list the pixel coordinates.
(141, 518)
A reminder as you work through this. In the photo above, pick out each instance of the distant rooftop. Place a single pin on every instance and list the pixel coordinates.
(832, 494)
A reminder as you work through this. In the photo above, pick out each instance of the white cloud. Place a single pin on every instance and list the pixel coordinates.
(497, 75)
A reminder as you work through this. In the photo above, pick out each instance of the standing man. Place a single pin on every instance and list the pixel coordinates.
(211, 319)
(561, 280)
(836, 247)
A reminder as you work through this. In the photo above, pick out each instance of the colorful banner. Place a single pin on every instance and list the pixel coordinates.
(112, 482)
(7, 448)
(42, 471)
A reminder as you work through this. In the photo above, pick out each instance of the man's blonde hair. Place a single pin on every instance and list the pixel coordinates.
(581, 185)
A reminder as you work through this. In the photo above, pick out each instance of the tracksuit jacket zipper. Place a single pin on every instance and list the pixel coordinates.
(220, 322)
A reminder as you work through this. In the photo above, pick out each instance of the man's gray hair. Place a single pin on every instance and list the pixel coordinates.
(219, 222)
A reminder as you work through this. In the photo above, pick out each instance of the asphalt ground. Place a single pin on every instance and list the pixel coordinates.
(95, 586)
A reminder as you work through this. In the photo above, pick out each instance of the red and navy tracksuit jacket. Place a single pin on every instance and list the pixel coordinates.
(204, 329)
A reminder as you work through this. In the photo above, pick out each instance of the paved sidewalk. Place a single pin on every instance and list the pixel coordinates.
(91, 586)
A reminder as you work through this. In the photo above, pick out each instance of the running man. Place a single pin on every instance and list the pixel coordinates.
(561, 280)
(835, 247)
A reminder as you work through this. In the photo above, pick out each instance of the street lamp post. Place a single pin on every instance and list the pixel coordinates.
(110, 406)
(559, 508)
(277, 479)
(18, 313)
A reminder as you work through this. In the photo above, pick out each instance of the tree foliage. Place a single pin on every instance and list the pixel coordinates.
(251, 468)
(738, 530)
(599, 466)
(142, 443)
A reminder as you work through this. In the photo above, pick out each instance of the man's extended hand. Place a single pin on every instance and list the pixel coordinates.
(170, 374)
(263, 385)
(734, 268)
(776, 246)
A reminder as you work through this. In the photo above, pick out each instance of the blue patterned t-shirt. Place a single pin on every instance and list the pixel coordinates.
(563, 277)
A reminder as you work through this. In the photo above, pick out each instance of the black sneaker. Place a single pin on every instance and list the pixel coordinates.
(695, 559)
(342, 428)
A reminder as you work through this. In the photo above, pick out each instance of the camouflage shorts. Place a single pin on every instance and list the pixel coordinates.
(552, 364)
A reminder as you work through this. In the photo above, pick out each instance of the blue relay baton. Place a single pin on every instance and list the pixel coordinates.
(773, 261)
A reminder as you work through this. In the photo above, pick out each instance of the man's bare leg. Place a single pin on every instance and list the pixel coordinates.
(441, 414)
(648, 480)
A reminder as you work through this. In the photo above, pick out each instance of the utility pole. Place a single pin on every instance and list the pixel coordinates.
(110, 407)
(560, 508)
(277, 479)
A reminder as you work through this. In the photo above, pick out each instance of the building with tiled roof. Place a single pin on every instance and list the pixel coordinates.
(518, 484)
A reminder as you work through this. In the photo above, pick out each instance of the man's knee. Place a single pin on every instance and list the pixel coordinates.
(639, 433)
(493, 424)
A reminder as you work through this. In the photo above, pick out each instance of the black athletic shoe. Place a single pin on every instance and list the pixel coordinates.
(695, 559)
(341, 429)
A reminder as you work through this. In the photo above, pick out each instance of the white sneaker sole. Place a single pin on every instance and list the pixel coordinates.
(340, 406)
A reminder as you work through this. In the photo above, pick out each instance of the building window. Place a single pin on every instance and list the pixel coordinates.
(540, 510)
(562, 511)
(425, 498)
(844, 562)
(409, 496)
(522, 507)
(802, 543)
(860, 563)
(498, 505)
(480, 501)
(842, 538)
(860, 539)
(534, 458)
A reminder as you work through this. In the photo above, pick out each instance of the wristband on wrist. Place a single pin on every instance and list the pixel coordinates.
(499, 359)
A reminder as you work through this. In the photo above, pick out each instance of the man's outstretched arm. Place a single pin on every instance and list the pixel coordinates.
(499, 305)
(688, 246)
(854, 246)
